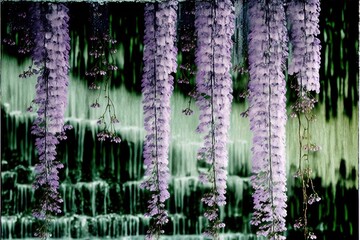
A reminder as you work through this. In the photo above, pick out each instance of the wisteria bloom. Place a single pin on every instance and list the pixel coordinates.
(51, 56)
(214, 25)
(159, 58)
(267, 113)
(305, 60)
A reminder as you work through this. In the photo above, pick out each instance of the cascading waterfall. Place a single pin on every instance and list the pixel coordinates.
(100, 181)
(84, 201)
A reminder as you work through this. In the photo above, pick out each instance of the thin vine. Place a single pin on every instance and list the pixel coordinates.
(303, 111)
(102, 50)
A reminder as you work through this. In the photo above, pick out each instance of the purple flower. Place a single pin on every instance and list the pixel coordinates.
(113, 67)
(29, 109)
(212, 214)
(67, 127)
(93, 86)
(116, 140)
(102, 136)
(51, 54)
(47, 172)
(220, 225)
(312, 236)
(305, 60)
(114, 119)
(314, 197)
(209, 199)
(267, 114)
(53, 81)
(95, 105)
(62, 136)
(214, 27)
(298, 224)
(160, 55)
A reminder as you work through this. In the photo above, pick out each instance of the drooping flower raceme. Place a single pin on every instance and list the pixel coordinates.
(102, 47)
(267, 113)
(51, 56)
(159, 58)
(305, 61)
(214, 25)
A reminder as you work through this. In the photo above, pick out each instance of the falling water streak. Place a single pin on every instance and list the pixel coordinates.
(336, 134)
(182, 127)
(241, 31)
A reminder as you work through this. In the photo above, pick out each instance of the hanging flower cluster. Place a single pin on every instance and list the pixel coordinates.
(214, 27)
(100, 75)
(102, 50)
(51, 56)
(157, 85)
(267, 113)
(304, 172)
(305, 62)
(214, 23)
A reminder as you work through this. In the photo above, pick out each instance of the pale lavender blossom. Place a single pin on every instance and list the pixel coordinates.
(298, 224)
(102, 136)
(214, 23)
(312, 236)
(314, 197)
(160, 55)
(305, 61)
(116, 139)
(51, 55)
(267, 114)
(95, 105)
